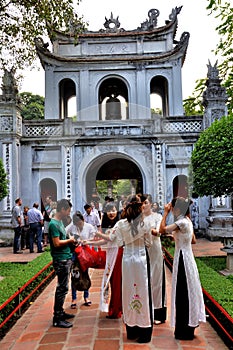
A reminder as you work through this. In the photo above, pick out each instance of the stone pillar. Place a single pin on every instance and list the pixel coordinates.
(214, 97)
(10, 150)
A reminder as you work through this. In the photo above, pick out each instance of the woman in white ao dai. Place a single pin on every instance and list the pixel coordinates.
(187, 303)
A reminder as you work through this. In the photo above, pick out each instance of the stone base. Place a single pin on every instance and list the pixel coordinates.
(229, 263)
(218, 233)
(226, 272)
(6, 235)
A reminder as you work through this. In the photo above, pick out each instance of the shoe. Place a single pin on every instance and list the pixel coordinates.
(183, 338)
(18, 252)
(66, 316)
(31, 251)
(156, 322)
(62, 324)
(87, 303)
(41, 251)
(143, 340)
(73, 306)
(112, 317)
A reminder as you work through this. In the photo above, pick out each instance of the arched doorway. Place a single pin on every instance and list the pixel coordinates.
(48, 187)
(113, 177)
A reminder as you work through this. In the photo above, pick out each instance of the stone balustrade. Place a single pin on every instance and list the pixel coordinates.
(120, 128)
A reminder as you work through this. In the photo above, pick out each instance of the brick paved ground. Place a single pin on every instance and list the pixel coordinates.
(91, 330)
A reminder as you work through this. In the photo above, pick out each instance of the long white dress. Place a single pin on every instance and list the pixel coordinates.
(183, 238)
(135, 282)
(156, 262)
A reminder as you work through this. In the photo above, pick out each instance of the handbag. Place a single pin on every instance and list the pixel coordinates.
(101, 259)
(80, 279)
(86, 256)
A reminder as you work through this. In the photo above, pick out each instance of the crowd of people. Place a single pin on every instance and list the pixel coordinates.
(134, 280)
(30, 225)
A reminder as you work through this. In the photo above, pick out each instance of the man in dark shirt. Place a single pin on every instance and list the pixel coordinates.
(62, 260)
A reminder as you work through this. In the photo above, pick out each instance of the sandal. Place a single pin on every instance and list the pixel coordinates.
(73, 306)
(87, 303)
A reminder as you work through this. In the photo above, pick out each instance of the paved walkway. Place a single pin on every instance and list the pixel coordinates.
(91, 330)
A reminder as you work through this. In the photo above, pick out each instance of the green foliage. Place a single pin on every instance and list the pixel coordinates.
(217, 285)
(225, 48)
(16, 275)
(193, 104)
(32, 106)
(212, 160)
(223, 12)
(23, 20)
(3, 181)
(120, 187)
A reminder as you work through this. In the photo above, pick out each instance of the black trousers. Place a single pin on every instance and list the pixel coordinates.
(17, 235)
(62, 269)
(182, 329)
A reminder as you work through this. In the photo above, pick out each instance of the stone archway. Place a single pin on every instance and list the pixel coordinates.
(117, 168)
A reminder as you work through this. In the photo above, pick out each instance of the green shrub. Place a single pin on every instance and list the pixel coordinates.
(218, 286)
(15, 275)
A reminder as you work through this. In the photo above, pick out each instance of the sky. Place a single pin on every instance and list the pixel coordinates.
(193, 18)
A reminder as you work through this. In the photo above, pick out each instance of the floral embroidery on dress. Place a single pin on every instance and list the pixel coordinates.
(136, 303)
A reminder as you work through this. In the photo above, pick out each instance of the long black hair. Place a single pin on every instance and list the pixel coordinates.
(133, 214)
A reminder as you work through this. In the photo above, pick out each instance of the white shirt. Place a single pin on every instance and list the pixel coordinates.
(88, 231)
(92, 219)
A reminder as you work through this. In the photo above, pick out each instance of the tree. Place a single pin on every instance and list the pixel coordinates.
(223, 11)
(3, 181)
(212, 160)
(21, 21)
(32, 106)
(193, 105)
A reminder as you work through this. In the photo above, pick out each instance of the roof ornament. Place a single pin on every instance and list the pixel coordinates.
(76, 26)
(112, 25)
(150, 24)
(39, 42)
(9, 86)
(174, 13)
(213, 72)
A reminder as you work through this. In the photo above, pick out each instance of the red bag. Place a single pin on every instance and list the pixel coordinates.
(89, 257)
(86, 256)
(101, 259)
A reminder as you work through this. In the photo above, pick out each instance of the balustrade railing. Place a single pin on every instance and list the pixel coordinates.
(126, 128)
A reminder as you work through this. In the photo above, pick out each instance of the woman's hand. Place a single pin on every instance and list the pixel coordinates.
(167, 208)
(154, 232)
(98, 234)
